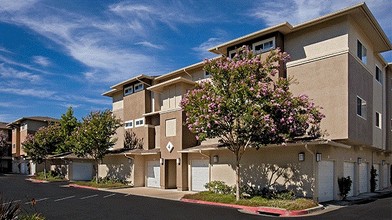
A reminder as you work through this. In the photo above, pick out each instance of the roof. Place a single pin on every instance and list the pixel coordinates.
(68, 155)
(160, 86)
(33, 118)
(118, 86)
(360, 13)
(142, 151)
(3, 125)
(181, 70)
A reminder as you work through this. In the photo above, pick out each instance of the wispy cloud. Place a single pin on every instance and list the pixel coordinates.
(149, 44)
(10, 73)
(43, 61)
(12, 5)
(202, 49)
(2, 49)
(38, 93)
(19, 64)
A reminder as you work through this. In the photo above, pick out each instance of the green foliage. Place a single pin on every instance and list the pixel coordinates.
(131, 141)
(219, 187)
(344, 186)
(68, 123)
(373, 180)
(104, 182)
(35, 216)
(3, 142)
(50, 176)
(9, 210)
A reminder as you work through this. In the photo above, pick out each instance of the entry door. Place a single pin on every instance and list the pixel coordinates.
(363, 178)
(349, 170)
(325, 180)
(153, 174)
(199, 174)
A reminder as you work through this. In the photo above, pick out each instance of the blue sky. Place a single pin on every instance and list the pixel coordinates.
(55, 54)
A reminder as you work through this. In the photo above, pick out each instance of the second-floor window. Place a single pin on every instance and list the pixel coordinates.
(263, 46)
(128, 90)
(23, 127)
(139, 122)
(378, 120)
(232, 53)
(128, 124)
(138, 87)
(361, 52)
(207, 75)
(361, 107)
(378, 75)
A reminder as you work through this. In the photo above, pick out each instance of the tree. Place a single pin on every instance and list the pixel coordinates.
(68, 123)
(131, 141)
(94, 136)
(373, 180)
(245, 104)
(3, 146)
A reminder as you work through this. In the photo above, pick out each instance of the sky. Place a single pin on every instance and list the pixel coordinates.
(56, 54)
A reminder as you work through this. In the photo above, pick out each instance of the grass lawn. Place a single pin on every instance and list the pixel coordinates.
(100, 185)
(297, 204)
(49, 177)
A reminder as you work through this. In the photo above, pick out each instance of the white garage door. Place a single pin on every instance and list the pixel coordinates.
(153, 174)
(385, 176)
(82, 171)
(325, 180)
(363, 178)
(377, 168)
(348, 170)
(199, 174)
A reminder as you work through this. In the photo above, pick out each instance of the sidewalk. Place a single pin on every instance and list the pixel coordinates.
(363, 198)
(171, 194)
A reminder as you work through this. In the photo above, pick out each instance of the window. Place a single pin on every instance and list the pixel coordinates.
(129, 124)
(361, 52)
(23, 127)
(232, 54)
(378, 120)
(361, 107)
(128, 90)
(378, 75)
(170, 127)
(138, 87)
(139, 122)
(263, 46)
(207, 74)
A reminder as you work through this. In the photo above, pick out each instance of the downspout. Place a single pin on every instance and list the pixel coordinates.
(188, 73)
(314, 171)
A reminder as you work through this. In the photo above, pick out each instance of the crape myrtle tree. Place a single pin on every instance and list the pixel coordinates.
(94, 136)
(245, 104)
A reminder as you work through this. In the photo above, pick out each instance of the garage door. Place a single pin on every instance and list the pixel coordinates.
(153, 174)
(325, 180)
(199, 174)
(385, 178)
(348, 170)
(82, 171)
(363, 178)
(377, 168)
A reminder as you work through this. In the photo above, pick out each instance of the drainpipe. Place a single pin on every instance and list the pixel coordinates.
(314, 171)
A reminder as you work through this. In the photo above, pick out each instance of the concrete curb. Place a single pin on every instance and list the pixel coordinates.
(260, 210)
(36, 181)
(83, 187)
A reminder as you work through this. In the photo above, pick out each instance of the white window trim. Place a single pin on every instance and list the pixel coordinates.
(128, 127)
(363, 57)
(231, 52)
(136, 85)
(130, 92)
(140, 125)
(381, 75)
(379, 120)
(254, 45)
(362, 101)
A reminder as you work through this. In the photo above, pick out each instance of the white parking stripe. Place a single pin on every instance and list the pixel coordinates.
(89, 196)
(127, 195)
(11, 202)
(109, 195)
(61, 199)
(37, 200)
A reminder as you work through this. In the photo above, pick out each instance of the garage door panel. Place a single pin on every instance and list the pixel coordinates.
(325, 180)
(153, 174)
(199, 174)
(363, 178)
(82, 171)
(349, 170)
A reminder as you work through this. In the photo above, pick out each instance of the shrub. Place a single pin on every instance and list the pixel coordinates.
(344, 186)
(35, 216)
(373, 181)
(9, 210)
(109, 180)
(219, 187)
(285, 195)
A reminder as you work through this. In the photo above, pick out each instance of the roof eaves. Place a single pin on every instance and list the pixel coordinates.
(181, 70)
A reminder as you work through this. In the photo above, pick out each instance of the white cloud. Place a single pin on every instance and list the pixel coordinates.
(43, 61)
(10, 73)
(202, 49)
(2, 49)
(149, 44)
(15, 5)
(14, 63)
(39, 93)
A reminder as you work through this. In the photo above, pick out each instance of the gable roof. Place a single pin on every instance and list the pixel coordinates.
(33, 118)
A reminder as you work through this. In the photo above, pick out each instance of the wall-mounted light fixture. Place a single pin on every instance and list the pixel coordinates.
(301, 156)
(161, 161)
(215, 159)
(318, 157)
(178, 161)
(383, 162)
(359, 160)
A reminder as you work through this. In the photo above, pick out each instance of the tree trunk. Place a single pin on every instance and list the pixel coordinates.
(238, 179)
(45, 169)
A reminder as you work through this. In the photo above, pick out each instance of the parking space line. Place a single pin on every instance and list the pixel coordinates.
(127, 195)
(11, 202)
(109, 195)
(33, 201)
(87, 197)
(61, 199)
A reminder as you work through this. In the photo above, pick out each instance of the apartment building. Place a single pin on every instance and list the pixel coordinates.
(336, 61)
(21, 128)
(5, 151)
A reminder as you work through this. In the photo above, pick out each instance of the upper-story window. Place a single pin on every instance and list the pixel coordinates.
(378, 120)
(232, 53)
(264, 45)
(138, 87)
(128, 90)
(207, 75)
(361, 52)
(139, 122)
(23, 127)
(378, 75)
(129, 124)
(361, 107)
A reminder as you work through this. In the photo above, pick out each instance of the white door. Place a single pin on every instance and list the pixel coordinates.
(348, 170)
(363, 178)
(153, 174)
(377, 168)
(325, 180)
(82, 171)
(199, 174)
(33, 168)
(385, 178)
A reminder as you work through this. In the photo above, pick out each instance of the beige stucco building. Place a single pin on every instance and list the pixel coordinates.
(336, 61)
